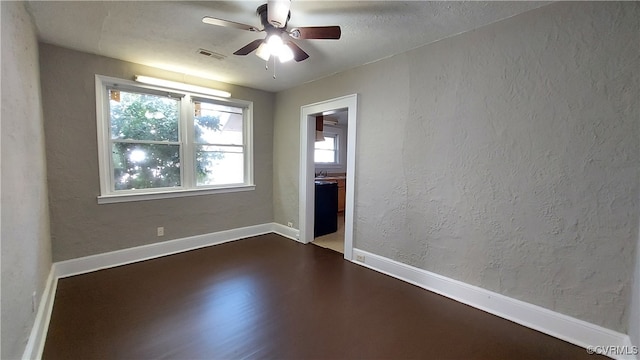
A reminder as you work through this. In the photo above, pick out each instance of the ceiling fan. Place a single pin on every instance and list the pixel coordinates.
(274, 17)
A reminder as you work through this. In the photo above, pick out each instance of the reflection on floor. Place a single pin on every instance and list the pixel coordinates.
(333, 241)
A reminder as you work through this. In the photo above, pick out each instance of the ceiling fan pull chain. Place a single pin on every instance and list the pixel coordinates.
(274, 67)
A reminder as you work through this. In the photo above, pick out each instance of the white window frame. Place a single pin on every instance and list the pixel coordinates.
(334, 133)
(187, 154)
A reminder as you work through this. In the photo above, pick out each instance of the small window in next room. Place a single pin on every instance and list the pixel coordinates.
(326, 152)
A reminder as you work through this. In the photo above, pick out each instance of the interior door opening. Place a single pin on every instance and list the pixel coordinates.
(327, 170)
(330, 174)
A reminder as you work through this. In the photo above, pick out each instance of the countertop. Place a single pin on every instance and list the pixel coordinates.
(330, 178)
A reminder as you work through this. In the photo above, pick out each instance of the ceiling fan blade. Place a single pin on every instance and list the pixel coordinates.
(247, 49)
(226, 23)
(278, 12)
(316, 32)
(298, 54)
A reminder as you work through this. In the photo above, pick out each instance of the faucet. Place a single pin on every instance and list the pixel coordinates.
(321, 173)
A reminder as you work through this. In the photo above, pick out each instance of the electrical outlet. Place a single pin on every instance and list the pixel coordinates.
(360, 258)
(290, 224)
(33, 302)
(160, 231)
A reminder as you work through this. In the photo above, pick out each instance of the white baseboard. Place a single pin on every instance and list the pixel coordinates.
(561, 326)
(140, 253)
(291, 233)
(35, 345)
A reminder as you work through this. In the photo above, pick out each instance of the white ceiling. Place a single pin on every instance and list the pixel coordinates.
(167, 35)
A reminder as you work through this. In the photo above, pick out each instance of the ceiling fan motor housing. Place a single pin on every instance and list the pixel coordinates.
(278, 15)
(263, 13)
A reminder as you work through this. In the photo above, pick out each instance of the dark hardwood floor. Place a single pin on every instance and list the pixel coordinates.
(270, 297)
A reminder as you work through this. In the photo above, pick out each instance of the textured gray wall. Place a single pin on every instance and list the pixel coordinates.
(81, 227)
(26, 246)
(509, 157)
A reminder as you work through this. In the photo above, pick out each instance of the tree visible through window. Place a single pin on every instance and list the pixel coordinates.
(145, 140)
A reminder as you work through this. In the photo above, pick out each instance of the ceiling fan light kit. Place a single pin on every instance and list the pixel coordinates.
(263, 52)
(285, 53)
(274, 17)
(274, 45)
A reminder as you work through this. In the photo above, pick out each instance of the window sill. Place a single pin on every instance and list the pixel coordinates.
(119, 198)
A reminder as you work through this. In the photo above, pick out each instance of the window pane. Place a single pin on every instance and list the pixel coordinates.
(217, 165)
(325, 151)
(143, 116)
(145, 166)
(329, 143)
(324, 156)
(217, 124)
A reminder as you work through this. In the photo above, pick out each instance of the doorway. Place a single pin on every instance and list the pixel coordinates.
(307, 167)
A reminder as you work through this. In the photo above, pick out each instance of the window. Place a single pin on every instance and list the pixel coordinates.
(144, 142)
(155, 142)
(219, 144)
(326, 152)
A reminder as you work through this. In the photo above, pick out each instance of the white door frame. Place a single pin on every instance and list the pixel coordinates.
(307, 167)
